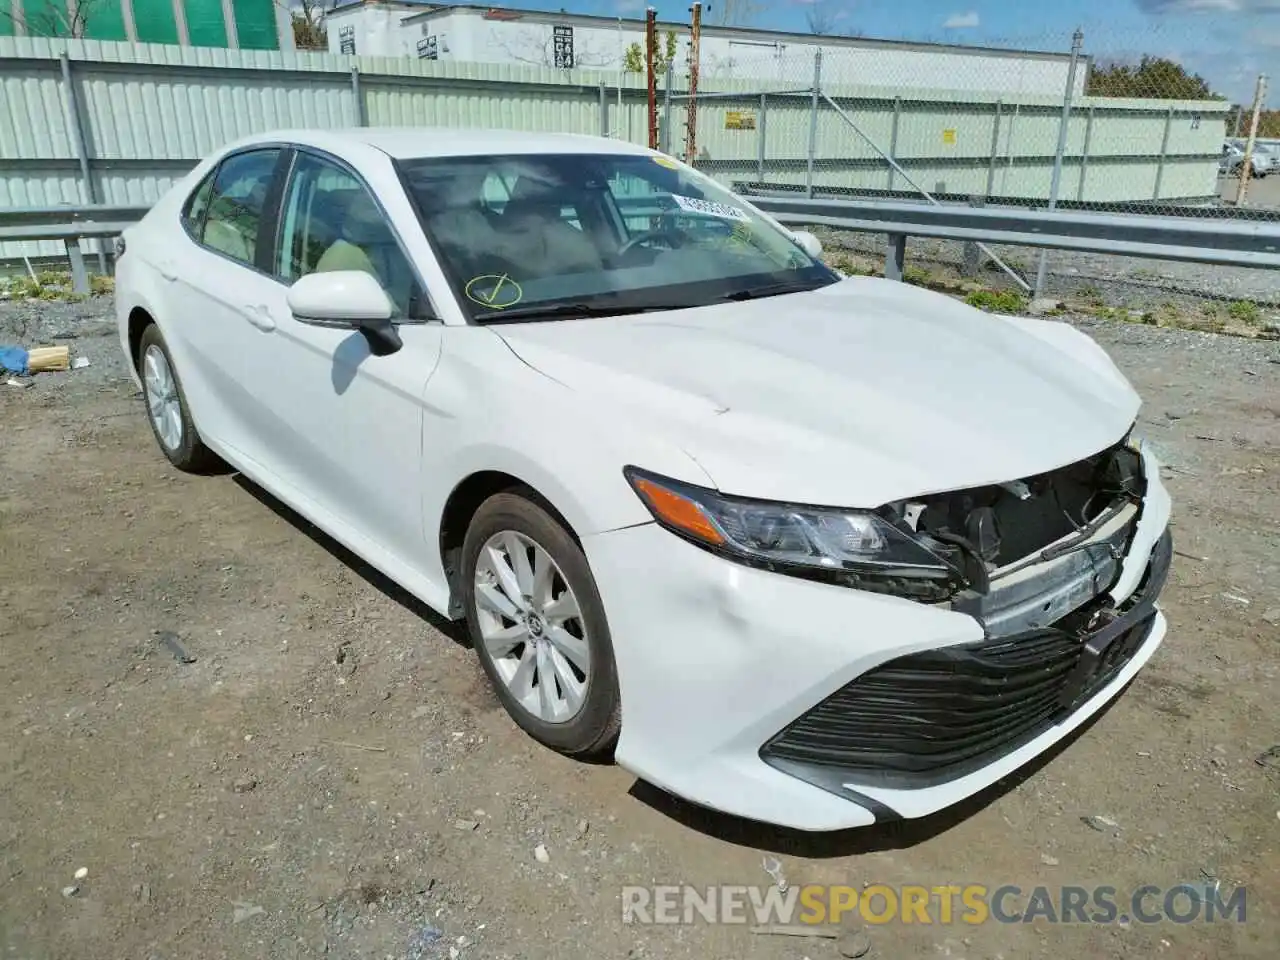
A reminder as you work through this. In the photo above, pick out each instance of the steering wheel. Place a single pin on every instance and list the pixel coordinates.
(667, 231)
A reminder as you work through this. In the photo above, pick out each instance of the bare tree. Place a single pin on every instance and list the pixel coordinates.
(733, 13)
(822, 17)
(308, 16)
(55, 19)
(532, 46)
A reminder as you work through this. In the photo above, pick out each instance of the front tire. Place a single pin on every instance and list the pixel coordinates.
(535, 618)
(167, 409)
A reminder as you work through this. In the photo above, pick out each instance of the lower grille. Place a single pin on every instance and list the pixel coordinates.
(934, 716)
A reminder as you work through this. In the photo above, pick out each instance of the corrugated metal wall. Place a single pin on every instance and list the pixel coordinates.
(1116, 150)
(149, 112)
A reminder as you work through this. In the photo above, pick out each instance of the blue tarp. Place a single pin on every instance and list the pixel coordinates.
(13, 360)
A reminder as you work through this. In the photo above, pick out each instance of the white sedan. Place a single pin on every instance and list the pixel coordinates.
(813, 550)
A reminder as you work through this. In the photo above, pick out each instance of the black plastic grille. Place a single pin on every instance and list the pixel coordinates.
(933, 716)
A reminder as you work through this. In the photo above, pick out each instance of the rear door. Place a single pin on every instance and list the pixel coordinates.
(220, 280)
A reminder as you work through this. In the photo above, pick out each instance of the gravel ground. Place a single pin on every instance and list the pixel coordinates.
(331, 776)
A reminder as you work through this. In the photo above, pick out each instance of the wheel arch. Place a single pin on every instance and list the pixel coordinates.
(461, 506)
(139, 319)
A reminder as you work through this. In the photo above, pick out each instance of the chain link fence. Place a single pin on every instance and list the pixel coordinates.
(1043, 121)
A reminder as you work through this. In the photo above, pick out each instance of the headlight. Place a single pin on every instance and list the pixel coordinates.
(855, 548)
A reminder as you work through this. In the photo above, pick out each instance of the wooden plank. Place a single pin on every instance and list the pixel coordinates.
(48, 359)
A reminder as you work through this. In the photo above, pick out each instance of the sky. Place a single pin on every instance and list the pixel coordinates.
(1229, 42)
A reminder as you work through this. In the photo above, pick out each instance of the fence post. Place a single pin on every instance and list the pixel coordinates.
(1164, 152)
(1084, 154)
(78, 141)
(995, 147)
(604, 110)
(972, 255)
(1246, 166)
(362, 118)
(666, 107)
(760, 138)
(895, 256)
(79, 278)
(651, 77)
(893, 138)
(813, 121)
(1077, 42)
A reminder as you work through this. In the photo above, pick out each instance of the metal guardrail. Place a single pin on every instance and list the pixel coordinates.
(70, 225)
(1225, 243)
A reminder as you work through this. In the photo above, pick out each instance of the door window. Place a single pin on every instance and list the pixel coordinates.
(235, 209)
(194, 211)
(331, 222)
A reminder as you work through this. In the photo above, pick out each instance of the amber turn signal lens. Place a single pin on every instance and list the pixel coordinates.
(678, 511)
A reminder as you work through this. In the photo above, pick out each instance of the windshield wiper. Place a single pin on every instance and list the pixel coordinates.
(568, 311)
(773, 290)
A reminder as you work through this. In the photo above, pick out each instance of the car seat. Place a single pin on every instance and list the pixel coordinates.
(549, 246)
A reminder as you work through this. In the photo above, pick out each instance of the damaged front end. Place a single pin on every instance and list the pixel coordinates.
(1031, 551)
(1035, 562)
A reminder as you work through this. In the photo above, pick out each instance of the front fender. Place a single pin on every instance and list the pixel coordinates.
(487, 410)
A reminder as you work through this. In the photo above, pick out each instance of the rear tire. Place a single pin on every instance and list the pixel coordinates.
(167, 409)
(537, 623)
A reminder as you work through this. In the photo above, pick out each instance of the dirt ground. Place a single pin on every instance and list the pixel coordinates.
(331, 776)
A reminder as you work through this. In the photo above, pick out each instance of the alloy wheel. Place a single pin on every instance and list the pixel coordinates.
(164, 406)
(531, 625)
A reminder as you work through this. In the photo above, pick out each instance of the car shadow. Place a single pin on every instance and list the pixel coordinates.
(351, 352)
(454, 630)
(896, 835)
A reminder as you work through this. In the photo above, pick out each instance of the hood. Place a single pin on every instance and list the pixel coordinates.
(853, 395)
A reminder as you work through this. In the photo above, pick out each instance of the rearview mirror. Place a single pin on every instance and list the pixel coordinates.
(808, 243)
(349, 300)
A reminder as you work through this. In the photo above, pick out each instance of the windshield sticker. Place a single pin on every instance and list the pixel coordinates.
(495, 291)
(666, 162)
(710, 208)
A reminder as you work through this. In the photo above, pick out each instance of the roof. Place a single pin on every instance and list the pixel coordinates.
(433, 8)
(404, 143)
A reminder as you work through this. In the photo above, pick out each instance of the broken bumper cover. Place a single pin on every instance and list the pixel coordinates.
(803, 704)
(932, 717)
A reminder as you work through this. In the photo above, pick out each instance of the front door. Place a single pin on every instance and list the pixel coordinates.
(344, 427)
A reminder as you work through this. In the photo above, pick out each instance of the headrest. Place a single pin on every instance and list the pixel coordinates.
(362, 221)
(531, 191)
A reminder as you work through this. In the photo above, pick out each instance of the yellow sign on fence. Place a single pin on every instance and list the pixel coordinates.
(739, 120)
(949, 137)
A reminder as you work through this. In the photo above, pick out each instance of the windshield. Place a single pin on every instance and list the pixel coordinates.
(541, 235)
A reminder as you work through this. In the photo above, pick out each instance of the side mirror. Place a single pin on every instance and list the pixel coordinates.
(348, 300)
(808, 243)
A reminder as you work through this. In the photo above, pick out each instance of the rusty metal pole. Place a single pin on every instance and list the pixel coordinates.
(1246, 165)
(695, 34)
(650, 54)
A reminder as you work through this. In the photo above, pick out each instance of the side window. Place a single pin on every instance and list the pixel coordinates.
(331, 222)
(194, 211)
(235, 208)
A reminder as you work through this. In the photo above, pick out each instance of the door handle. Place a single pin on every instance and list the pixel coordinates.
(260, 318)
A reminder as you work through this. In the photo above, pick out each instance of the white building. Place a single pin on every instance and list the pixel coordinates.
(476, 33)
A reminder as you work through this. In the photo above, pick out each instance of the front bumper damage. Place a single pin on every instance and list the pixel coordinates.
(820, 707)
(932, 717)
